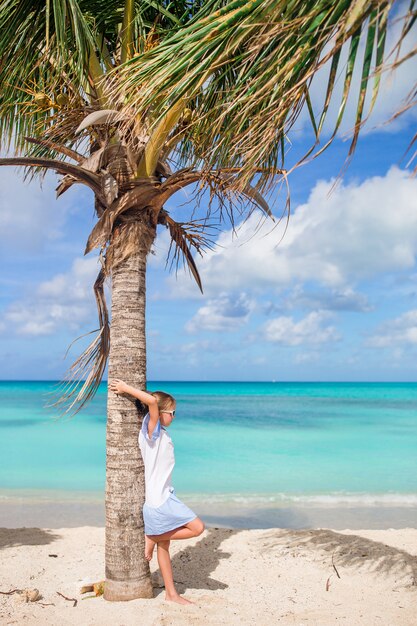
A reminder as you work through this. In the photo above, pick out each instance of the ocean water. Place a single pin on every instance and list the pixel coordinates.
(259, 444)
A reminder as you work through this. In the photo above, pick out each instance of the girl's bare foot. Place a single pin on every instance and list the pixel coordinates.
(149, 548)
(177, 598)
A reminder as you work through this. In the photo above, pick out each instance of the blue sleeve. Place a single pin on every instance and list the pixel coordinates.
(156, 432)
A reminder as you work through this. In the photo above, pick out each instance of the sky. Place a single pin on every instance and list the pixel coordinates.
(335, 300)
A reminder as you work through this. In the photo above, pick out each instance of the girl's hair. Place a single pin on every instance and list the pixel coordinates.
(165, 400)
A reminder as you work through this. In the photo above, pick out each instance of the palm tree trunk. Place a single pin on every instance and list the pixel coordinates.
(127, 571)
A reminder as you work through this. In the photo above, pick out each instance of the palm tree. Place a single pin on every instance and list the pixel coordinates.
(137, 100)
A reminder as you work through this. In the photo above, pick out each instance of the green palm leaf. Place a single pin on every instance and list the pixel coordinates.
(246, 68)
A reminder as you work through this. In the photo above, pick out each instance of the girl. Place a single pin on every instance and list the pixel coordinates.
(165, 516)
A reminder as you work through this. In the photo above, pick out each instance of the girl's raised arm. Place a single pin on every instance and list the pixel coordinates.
(119, 386)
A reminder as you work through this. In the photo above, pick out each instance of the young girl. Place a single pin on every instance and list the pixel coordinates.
(165, 516)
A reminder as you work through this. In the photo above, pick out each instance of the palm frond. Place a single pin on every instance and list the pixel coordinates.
(155, 143)
(81, 175)
(91, 163)
(51, 145)
(248, 191)
(186, 235)
(139, 199)
(246, 69)
(83, 378)
(127, 33)
(35, 64)
(59, 51)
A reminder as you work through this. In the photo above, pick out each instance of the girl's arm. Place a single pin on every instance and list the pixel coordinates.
(119, 386)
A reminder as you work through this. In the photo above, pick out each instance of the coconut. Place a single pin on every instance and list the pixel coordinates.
(62, 99)
(186, 116)
(41, 99)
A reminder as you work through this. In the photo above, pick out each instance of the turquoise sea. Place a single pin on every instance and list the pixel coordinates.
(253, 444)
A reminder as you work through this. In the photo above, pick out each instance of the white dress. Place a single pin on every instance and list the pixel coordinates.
(162, 510)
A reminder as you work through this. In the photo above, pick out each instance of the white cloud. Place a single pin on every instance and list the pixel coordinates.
(224, 313)
(359, 231)
(398, 332)
(73, 286)
(309, 330)
(64, 301)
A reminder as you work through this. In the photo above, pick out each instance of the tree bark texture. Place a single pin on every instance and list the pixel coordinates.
(127, 571)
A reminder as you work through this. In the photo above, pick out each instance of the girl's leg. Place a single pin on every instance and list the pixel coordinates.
(165, 566)
(192, 529)
(149, 547)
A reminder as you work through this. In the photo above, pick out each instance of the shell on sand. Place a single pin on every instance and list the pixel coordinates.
(28, 595)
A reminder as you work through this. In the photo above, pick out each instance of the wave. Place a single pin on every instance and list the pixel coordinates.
(50, 496)
(234, 500)
(324, 499)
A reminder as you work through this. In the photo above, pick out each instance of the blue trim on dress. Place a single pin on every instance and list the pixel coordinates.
(156, 432)
(172, 514)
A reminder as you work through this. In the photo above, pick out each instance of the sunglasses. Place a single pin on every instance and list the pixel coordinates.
(172, 412)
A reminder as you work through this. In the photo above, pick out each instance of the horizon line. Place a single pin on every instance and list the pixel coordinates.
(271, 381)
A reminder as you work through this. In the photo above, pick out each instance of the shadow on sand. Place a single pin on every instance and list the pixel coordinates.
(10, 537)
(193, 565)
(349, 551)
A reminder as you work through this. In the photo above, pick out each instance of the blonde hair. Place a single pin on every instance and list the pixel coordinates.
(165, 400)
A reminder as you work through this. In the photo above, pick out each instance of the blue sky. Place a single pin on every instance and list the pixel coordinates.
(336, 300)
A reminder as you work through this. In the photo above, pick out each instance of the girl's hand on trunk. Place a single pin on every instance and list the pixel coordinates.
(118, 386)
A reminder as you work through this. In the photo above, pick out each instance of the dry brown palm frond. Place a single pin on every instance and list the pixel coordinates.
(185, 235)
(141, 203)
(81, 175)
(83, 378)
(61, 131)
(60, 136)
(91, 163)
(163, 169)
(72, 154)
(138, 198)
(66, 183)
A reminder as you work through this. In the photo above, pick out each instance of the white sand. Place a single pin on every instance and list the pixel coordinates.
(259, 577)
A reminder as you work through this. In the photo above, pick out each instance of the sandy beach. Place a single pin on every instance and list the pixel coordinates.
(259, 576)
